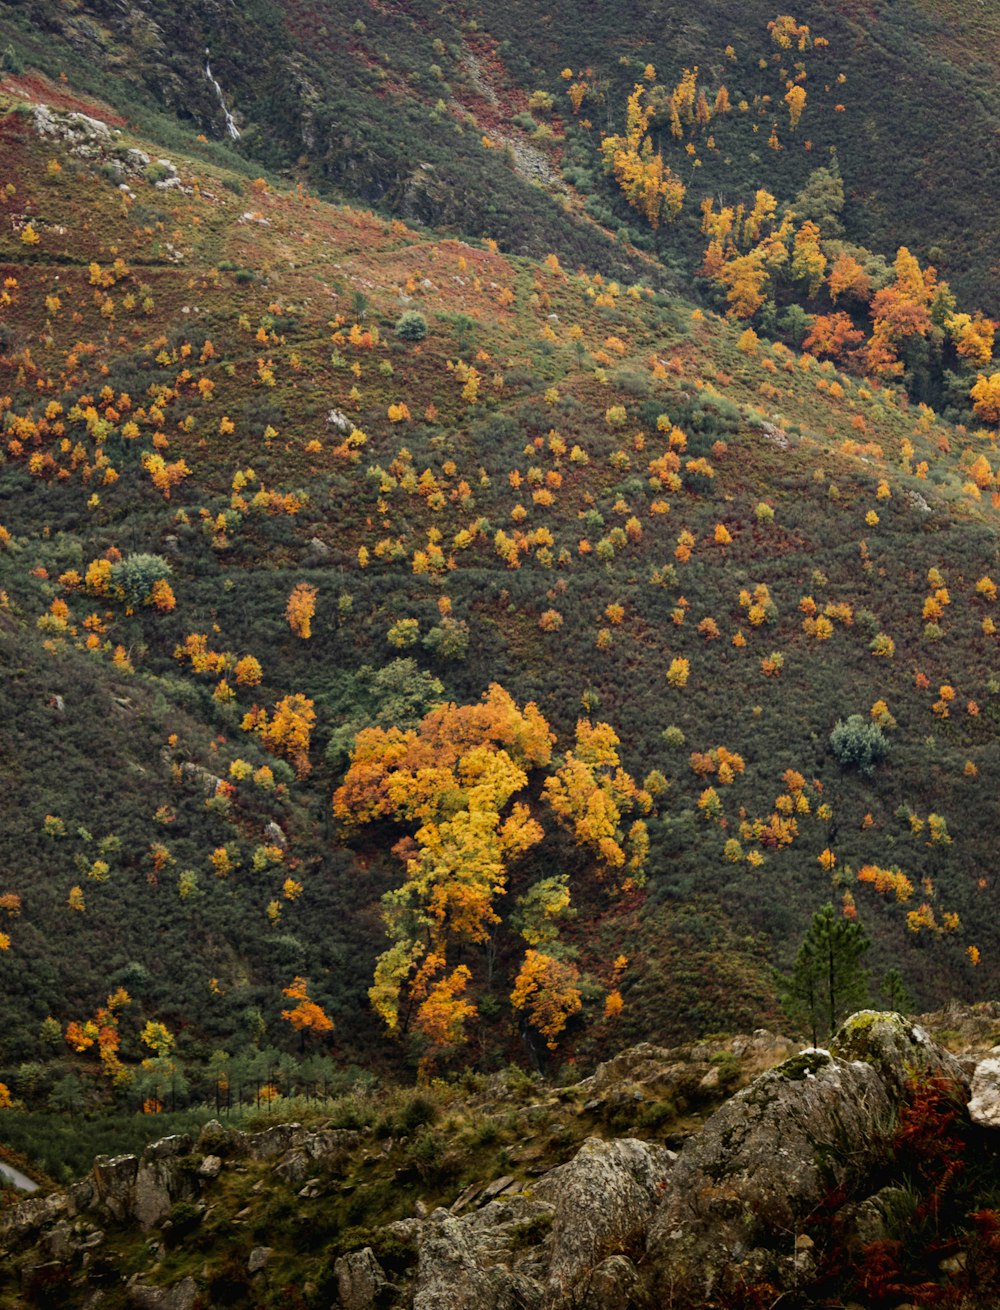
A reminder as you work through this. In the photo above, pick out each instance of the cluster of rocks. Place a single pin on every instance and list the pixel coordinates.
(67, 1228)
(623, 1223)
(94, 142)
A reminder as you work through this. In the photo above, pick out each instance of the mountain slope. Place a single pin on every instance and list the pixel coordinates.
(597, 493)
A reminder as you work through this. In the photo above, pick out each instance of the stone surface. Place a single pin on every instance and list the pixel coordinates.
(984, 1107)
(210, 1167)
(768, 1158)
(603, 1200)
(182, 1296)
(359, 1279)
(161, 1180)
(471, 1263)
(114, 1177)
(259, 1257)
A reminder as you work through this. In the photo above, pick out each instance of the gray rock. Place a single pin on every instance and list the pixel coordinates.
(875, 1218)
(114, 1179)
(470, 1263)
(898, 1048)
(603, 1200)
(28, 1217)
(610, 1285)
(359, 1279)
(742, 1188)
(210, 1167)
(84, 135)
(984, 1107)
(201, 777)
(275, 835)
(760, 1165)
(162, 1179)
(182, 1296)
(271, 1143)
(135, 161)
(259, 1257)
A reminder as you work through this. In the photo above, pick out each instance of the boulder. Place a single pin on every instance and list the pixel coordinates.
(471, 1263)
(741, 1190)
(258, 1260)
(84, 136)
(610, 1285)
(899, 1049)
(162, 1179)
(602, 1200)
(182, 1296)
(114, 1180)
(359, 1279)
(210, 1167)
(984, 1107)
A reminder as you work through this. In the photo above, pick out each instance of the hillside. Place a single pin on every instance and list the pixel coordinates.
(278, 468)
(390, 107)
(724, 1174)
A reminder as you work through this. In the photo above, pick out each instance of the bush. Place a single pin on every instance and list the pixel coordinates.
(136, 574)
(858, 744)
(11, 61)
(411, 326)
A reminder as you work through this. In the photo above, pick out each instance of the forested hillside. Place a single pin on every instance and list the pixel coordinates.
(499, 527)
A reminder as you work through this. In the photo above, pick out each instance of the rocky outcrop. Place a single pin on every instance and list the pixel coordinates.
(622, 1223)
(360, 1279)
(162, 1179)
(478, 1262)
(571, 1243)
(683, 1074)
(602, 1203)
(984, 1107)
(182, 1296)
(83, 136)
(742, 1190)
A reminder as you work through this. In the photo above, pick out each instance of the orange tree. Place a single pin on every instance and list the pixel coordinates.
(464, 785)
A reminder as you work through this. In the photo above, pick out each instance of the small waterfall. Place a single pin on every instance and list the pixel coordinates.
(231, 129)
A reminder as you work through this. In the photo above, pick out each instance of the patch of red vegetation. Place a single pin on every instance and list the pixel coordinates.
(39, 89)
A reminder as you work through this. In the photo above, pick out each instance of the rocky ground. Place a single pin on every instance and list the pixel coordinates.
(787, 1184)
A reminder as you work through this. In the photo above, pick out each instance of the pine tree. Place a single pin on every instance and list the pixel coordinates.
(828, 979)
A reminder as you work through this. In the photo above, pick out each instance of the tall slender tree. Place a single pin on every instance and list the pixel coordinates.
(828, 979)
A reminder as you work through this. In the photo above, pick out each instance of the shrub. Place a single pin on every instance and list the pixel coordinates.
(136, 574)
(858, 744)
(12, 61)
(411, 326)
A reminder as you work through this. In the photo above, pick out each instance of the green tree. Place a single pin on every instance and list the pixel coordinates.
(858, 744)
(821, 200)
(135, 575)
(828, 979)
(895, 992)
(411, 326)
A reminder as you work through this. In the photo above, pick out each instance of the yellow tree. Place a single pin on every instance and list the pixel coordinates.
(305, 1015)
(648, 183)
(795, 99)
(973, 337)
(986, 398)
(546, 990)
(300, 609)
(458, 783)
(287, 731)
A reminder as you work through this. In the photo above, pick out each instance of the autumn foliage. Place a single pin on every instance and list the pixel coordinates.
(458, 784)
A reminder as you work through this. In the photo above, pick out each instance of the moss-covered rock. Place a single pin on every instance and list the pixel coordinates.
(899, 1049)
